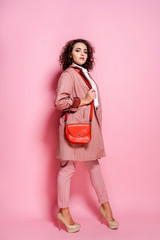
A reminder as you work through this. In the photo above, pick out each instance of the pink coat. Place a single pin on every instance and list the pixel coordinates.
(70, 86)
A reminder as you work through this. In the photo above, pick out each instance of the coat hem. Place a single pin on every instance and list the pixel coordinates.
(91, 159)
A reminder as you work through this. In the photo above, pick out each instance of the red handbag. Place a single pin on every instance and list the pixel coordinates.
(79, 133)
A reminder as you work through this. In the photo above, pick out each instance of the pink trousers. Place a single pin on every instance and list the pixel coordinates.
(66, 171)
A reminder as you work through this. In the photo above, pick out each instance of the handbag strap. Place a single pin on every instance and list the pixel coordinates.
(91, 111)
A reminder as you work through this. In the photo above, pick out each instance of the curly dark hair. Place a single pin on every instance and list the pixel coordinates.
(65, 60)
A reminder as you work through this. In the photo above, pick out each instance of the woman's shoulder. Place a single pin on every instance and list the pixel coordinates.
(67, 75)
(68, 71)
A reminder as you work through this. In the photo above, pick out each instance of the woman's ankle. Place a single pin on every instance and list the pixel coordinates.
(105, 205)
(65, 210)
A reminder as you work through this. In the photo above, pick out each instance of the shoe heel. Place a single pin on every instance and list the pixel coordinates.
(59, 224)
(101, 218)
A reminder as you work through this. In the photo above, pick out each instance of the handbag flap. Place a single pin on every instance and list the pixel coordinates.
(78, 129)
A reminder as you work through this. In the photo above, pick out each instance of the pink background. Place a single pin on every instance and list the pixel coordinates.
(126, 38)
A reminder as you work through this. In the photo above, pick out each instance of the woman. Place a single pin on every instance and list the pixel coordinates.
(75, 97)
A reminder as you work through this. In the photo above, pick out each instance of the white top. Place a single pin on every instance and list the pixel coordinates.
(92, 83)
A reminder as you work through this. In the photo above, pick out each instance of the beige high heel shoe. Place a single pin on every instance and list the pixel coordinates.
(70, 228)
(111, 224)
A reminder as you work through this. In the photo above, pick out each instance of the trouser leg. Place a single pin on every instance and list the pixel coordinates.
(66, 171)
(97, 180)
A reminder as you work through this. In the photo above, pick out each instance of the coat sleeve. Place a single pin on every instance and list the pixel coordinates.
(64, 99)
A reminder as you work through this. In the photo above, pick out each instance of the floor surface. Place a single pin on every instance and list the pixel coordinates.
(133, 225)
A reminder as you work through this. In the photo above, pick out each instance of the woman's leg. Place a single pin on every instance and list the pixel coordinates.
(97, 180)
(99, 185)
(66, 171)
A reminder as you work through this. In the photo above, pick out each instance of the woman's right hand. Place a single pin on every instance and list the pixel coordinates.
(90, 96)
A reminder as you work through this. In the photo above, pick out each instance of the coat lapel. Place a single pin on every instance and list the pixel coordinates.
(81, 72)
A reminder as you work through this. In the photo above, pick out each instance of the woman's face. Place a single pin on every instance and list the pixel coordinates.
(79, 53)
